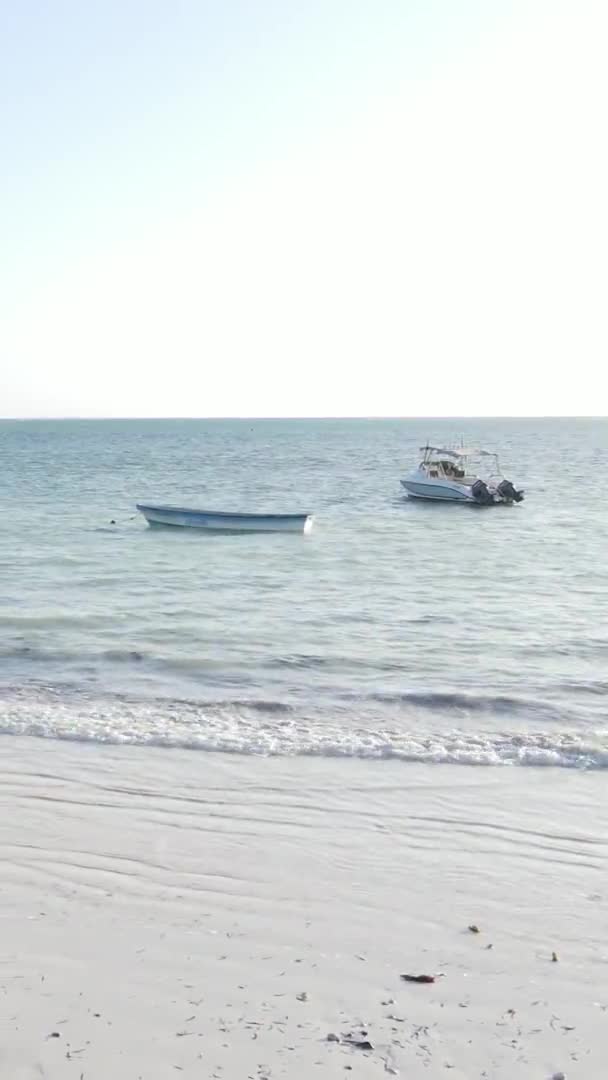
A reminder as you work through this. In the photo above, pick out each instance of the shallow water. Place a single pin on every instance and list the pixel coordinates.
(397, 629)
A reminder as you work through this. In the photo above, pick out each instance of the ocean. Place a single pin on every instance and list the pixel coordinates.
(396, 630)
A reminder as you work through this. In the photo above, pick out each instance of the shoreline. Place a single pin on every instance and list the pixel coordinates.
(217, 916)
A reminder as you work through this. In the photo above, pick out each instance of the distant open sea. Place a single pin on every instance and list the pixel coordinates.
(423, 632)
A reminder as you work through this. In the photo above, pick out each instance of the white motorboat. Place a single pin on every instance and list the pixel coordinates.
(460, 475)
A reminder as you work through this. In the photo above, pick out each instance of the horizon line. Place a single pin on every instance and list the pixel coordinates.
(325, 417)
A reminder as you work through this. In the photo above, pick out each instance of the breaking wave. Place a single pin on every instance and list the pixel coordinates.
(274, 728)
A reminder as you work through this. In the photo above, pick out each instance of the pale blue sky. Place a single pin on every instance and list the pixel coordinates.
(273, 208)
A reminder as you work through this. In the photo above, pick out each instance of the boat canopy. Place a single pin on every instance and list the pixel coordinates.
(460, 452)
(441, 451)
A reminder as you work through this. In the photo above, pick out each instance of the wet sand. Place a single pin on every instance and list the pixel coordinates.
(166, 913)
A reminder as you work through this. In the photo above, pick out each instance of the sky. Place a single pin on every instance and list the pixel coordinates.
(320, 208)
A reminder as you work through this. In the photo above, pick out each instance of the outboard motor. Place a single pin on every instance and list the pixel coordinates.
(507, 492)
(482, 494)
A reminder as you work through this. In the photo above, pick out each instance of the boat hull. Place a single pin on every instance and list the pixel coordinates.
(213, 521)
(441, 492)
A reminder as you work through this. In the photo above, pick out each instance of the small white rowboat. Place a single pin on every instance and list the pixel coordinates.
(214, 521)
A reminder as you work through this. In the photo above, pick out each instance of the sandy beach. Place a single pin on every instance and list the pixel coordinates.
(166, 913)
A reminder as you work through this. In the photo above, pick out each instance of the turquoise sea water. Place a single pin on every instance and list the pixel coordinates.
(397, 629)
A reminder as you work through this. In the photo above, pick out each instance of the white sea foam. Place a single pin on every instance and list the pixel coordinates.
(274, 729)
